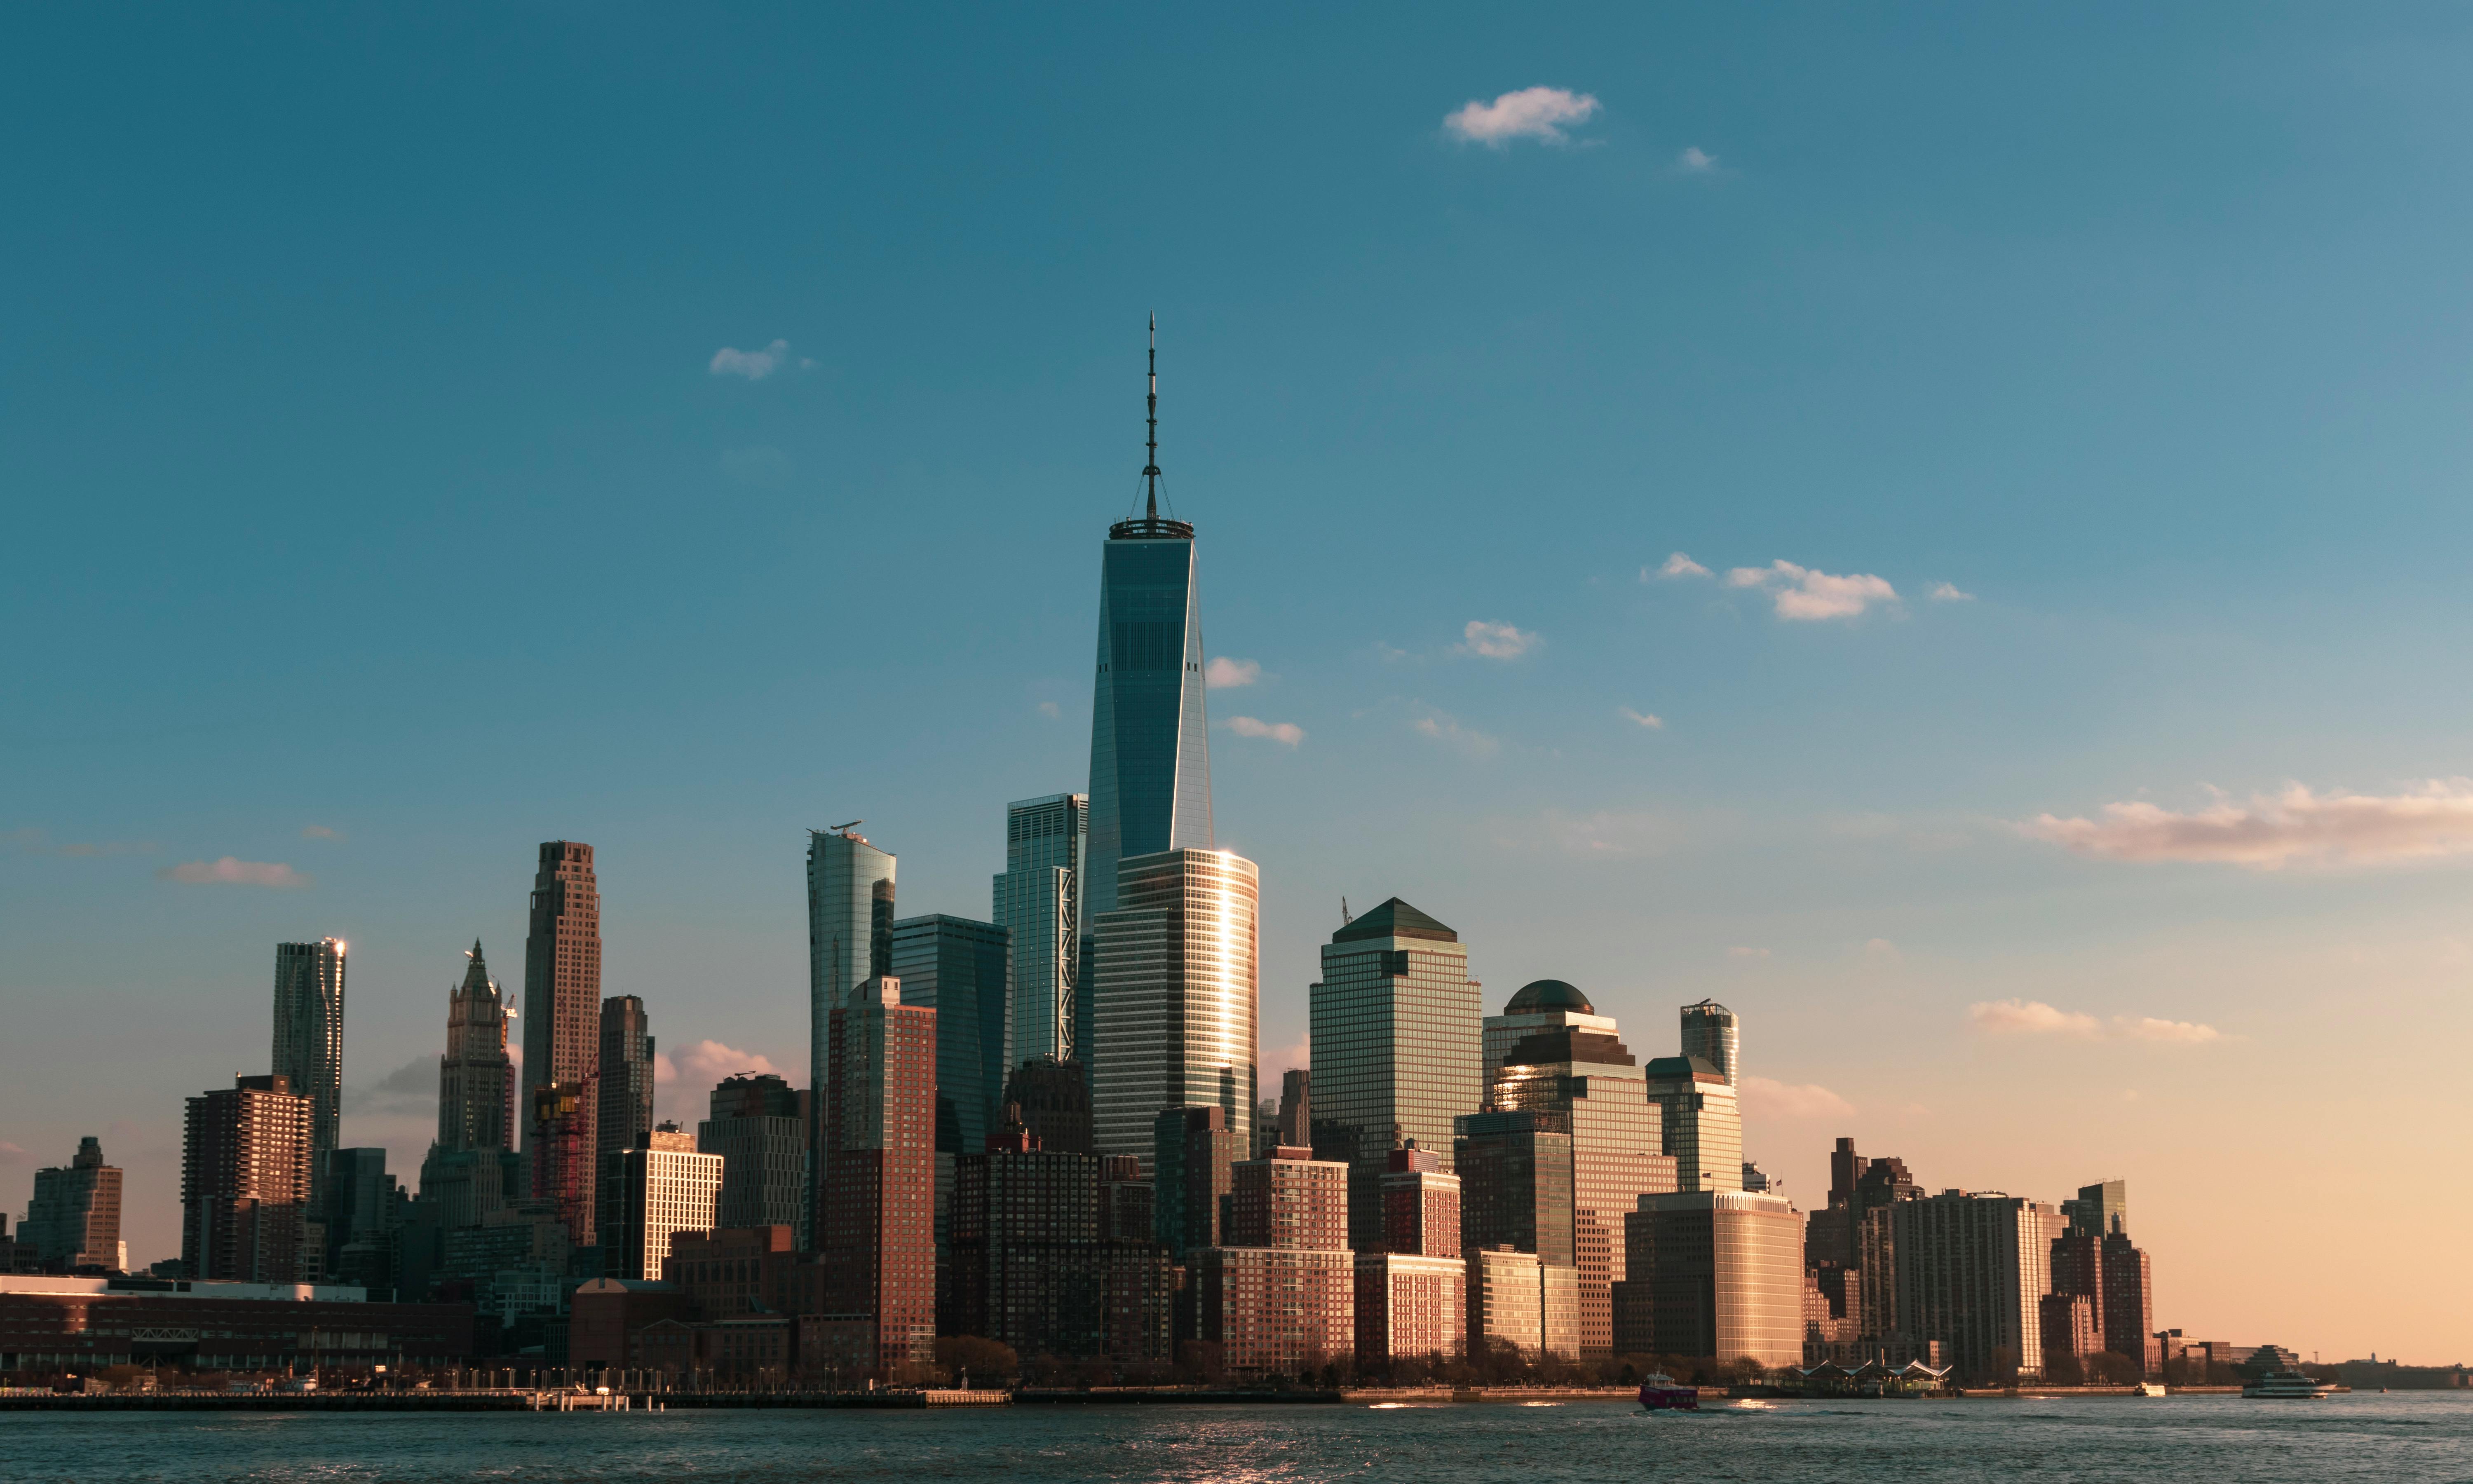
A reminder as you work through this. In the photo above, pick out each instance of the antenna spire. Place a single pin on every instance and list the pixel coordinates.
(1150, 467)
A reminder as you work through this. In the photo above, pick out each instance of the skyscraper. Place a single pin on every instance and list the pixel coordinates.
(562, 1031)
(850, 941)
(1395, 1049)
(1710, 1032)
(1054, 1101)
(625, 1111)
(309, 1034)
(74, 1219)
(477, 1079)
(1714, 1272)
(1972, 1270)
(759, 1128)
(956, 968)
(1177, 996)
(245, 1183)
(1193, 1152)
(1540, 1005)
(876, 1215)
(660, 1185)
(1038, 903)
(1702, 1123)
(2101, 1209)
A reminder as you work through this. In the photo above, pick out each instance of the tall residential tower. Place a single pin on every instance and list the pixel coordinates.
(850, 942)
(563, 1033)
(309, 1034)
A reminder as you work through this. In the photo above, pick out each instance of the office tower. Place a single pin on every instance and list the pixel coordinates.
(1505, 1296)
(1589, 1081)
(956, 968)
(1540, 1005)
(1193, 1152)
(1054, 1099)
(1412, 1292)
(876, 1209)
(1295, 1115)
(1177, 1015)
(624, 1113)
(74, 1220)
(309, 1034)
(1395, 1047)
(1038, 903)
(359, 1211)
(1972, 1270)
(850, 941)
(663, 1185)
(758, 1127)
(476, 1078)
(1710, 1032)
(1421, 1205)
(2100, 1209)
(1715, 1274)
(245, 1183)
(1279, 1296)
(561, 1017)
(1702, 1127)
(2129, 1303)
(1515, 1169)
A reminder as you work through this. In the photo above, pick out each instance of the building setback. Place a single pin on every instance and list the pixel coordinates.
(309, 1036)
(661, 1186)
(561, 1017)
(1412, 1293)
(1395, 1049)
(1037, 901)
(1280, 1297)
(1177, 1013)
(74, 1219)
(245, 1183)
(876, 1215)
(956, 968)
(476, 1078)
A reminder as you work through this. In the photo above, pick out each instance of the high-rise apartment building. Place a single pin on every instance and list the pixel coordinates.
(1280, 1296)
(759, 1126)
(1590, 1081)
(245, 1183)
(1038, 901)
(1395, 1048)
(309, 1034)
(662, 1185)
(476, 1078)
(956, 968)
(624, 1113)
(1177, 987)
(561, 1017)
(1412, 1292)
(1192, 1153)
(876, 1221)
(850, 941)
(1421, 1205)
(74, 1220)
(1054, 1101)
(1713, 1273)
(1971, 1271)
(2129, 1303)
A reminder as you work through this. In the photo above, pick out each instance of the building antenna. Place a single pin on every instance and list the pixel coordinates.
(1151, 468)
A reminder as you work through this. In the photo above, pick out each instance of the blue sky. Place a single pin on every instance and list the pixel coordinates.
(367, 468)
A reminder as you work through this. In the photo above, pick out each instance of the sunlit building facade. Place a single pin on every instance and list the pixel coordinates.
(1715, 1274)
(1177, 990)
(561, 1015)
(310, 1037)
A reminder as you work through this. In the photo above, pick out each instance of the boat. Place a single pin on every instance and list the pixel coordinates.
(2150, 1388)
(2289, 1386)
(1661, 1393)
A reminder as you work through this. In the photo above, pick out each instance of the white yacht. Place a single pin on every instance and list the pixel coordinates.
(2290, 1386)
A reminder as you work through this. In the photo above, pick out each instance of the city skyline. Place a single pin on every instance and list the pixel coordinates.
(1955, 571)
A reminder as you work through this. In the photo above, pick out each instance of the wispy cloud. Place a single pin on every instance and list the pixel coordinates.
(1442, 728)
(2296, 827)
(756, 364)
(1050, 708)
(1288, 732)
(1948, 592)
(320, 832)
(1880, 947)
(682, 1084)
(1498, 640)
(1540, 113)
(1800, 592)
(231, 871)
(1642, 719)
(408, 1088)
(1676, 566)
(14, 1154)
(2034, 1017)
(1800, 1101)
(1225, 674)
(1695, 161)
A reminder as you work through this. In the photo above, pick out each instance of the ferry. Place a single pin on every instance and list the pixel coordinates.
(2290, 1386)
(1661, 1393)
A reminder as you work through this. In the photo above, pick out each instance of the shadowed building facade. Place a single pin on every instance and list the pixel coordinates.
(74, 1219)
(759, 1126)
(850, 941)
(561, 1015)
(245, 1183)
(625, 1111)
(956, 967)
(476, 1078)
(1037, 901)
(310, 1037)
(877, 1216)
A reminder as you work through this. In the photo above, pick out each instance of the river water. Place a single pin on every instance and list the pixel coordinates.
(2201, 1440)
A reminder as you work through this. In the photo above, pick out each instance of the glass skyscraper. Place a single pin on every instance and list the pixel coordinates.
(1038, 903)
(1177, 997)
(1150, 750)
(956, 968)
(850, 941)
(309, 1036)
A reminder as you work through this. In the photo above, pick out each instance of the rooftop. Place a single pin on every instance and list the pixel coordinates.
(1548, 994)
(1394, 918)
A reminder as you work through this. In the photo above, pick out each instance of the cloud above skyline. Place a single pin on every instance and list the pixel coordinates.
(1801, 1102)
(753, 365)
(1225, 674)
(320, 832)
(1676, 566)
(1539, 113)
(1949, 592)
(1645, 720)
(1288, 732)
(1695, 161)
(2034, 1017)
(232, 871)
(2296, 827)
(1496, 640)
(1444, 727)
(1802, 593)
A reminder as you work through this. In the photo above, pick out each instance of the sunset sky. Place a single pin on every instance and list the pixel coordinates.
(1945, 530)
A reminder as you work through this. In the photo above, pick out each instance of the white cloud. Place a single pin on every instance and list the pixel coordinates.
(233, 871)
(1288, 732)
(1642, 719)
(1389, 654)
(1804, 1101)
(320, 832)
(1948, 592)
(2296, 827)
(1441, 727)
(1800, 592)
(682, 1084)
(1497, 641)
(1050, 708)
(1676, 566)
(1695, 161)
(1298, 1055)
(753, 365)
(1527, 113)
(1225, 674)
(2034, 1017)
(1743, 952)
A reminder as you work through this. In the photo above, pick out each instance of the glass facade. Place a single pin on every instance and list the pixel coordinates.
(956, 967)
(309, 1036)
(1394, 1046)
(1150, 755)
(1703, 1126)
(1711, 1032)
(1038, 903)
(850, 941)
(1719, 1273)
(1177, 981)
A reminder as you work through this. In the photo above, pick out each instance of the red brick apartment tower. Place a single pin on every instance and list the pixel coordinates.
(1280, 1295)
(562, 1016)
(879, 1208)
(245, 1182)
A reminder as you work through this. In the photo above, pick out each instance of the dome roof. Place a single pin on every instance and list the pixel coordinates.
(1548, 994)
